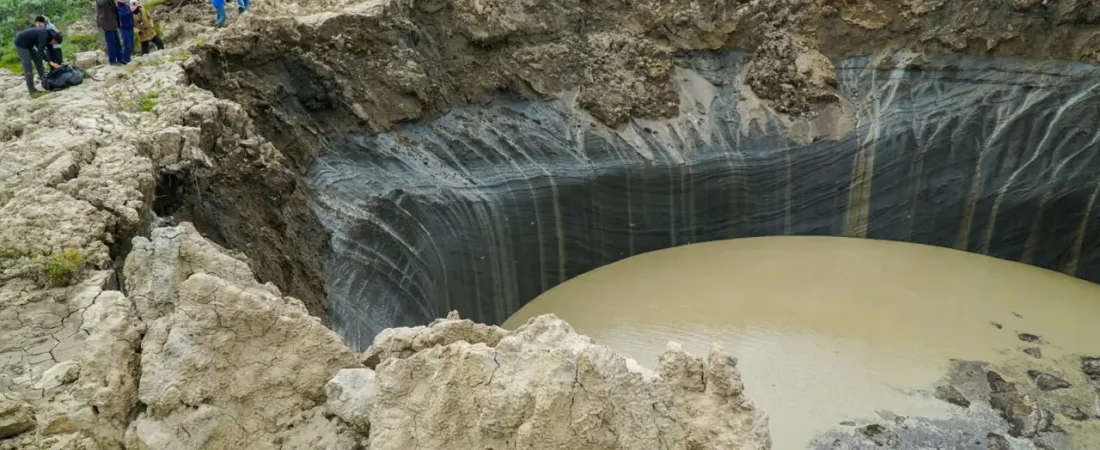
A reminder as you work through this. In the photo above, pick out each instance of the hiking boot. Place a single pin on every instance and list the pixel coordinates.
(240, 10)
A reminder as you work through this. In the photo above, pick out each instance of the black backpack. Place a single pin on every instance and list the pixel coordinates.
(62, 78)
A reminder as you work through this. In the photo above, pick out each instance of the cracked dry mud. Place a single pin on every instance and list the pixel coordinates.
(168, 341)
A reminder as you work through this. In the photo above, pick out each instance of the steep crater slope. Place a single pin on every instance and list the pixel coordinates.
(486, 207)
(467, 162)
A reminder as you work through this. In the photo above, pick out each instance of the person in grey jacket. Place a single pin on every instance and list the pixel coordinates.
(106, 15)
(32, 46)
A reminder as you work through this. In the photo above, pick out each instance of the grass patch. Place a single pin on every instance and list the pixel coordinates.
(56, 270)
(64, 268)
(9, 252)
(10, 61)
(148, 101)
(39, 94)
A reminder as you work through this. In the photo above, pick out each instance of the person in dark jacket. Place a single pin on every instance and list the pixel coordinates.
(32, 45)
(126, 29)
(106, 14)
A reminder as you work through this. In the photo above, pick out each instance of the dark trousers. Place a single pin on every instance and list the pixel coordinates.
(127, 44)
(114, 47)
(29, 57)
(155, 41)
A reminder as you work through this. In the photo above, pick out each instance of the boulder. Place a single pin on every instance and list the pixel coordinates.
(15, 416)
(351, 397)
(87, 60)
(60, 374)
(545, 387)
(229, 363)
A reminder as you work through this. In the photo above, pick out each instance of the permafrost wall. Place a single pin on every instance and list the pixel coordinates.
(486, 207)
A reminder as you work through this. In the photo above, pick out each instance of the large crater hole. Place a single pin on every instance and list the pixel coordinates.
(486, 207)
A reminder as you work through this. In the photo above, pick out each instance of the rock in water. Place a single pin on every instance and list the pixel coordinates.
(1028, 337)
(881, 436)
(545, 387)
(1047, 382)
(1024, 415)
(1091, 367)
(951, 395)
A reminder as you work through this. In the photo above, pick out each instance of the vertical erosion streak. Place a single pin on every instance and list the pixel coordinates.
(1079, 238)
(859, 197)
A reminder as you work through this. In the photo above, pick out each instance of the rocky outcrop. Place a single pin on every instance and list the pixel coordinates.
(226, 362)
(199, 355)
(15, 416)
(543, 386)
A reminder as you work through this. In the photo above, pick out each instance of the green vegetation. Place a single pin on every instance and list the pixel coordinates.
(148, 101)
(64, 268)
(57, 269)
(9, 60)
(9, 252)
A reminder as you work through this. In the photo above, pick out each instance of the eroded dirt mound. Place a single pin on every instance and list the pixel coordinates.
(355, 65)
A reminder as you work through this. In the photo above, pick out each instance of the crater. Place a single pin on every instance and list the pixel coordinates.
(485, 206)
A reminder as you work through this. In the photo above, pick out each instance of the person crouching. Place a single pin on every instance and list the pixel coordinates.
(32, 45)
(146, 29)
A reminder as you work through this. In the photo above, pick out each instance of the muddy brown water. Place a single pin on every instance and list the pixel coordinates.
(828, 329)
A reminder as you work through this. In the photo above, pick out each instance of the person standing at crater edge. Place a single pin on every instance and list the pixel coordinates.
(106, 15)
(219, 12)
(126, 30)
(147, 30)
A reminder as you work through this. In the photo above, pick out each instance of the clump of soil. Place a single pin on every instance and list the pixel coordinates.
(791, 75)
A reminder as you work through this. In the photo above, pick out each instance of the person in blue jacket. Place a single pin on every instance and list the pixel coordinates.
(125, 29)
(219, 12)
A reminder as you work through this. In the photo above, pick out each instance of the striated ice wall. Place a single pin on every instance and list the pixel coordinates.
(485, 208)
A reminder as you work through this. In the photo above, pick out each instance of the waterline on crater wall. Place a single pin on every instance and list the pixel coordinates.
(832, 329)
